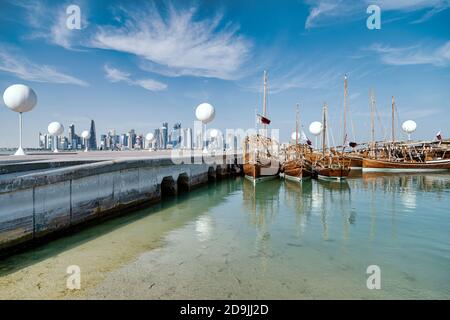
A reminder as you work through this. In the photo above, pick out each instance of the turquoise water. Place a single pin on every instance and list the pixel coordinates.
(280, 240)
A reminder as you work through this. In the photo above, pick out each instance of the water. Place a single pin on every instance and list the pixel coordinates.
(281, 240)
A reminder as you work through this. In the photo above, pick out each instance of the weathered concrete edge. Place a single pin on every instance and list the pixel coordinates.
(84, 170)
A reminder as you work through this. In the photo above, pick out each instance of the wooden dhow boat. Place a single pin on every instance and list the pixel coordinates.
(260, 157)
(404, 157)
(329, 165)
(295, 166)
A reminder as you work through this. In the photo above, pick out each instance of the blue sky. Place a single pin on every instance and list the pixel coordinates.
(135, 64)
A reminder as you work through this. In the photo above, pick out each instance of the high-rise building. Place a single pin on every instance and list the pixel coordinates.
(175, 135)
(186, 139)
(93, 139)
(164, 135)
(157, 139)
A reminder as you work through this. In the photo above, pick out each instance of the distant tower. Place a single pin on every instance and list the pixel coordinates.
(93, 139)
(164, 135)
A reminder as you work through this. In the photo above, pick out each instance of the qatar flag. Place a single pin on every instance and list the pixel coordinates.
(263, 119)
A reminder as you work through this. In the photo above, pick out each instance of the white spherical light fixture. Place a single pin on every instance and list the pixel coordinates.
(316, 128)
(55, 129)
(149, 137)
(214, 133)
(295, 136)
(20, 98)
(409, 127)
(86, 136)
(205, 113)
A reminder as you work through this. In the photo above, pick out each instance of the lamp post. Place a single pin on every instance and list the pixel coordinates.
(150, 137)
(55, 129)
(20, 98)
(205, 113)
(409, 127)
(86, 136)
(316, 128)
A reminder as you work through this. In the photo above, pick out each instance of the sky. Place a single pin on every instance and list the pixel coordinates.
(136, 64)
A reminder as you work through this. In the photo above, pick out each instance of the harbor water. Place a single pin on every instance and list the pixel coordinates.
(280, 240)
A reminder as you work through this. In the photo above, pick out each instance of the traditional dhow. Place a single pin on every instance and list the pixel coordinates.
(260, 152)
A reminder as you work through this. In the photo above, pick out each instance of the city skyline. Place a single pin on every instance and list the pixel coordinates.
(193, 52)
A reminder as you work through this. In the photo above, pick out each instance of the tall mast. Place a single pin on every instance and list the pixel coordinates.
(296, 124)
(345, 110)
(393, 119)
(324, 139)
(265, 97)
(372, 120)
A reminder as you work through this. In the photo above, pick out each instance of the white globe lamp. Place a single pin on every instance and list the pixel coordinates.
(409, 127)
(295, 136)
(86, 136)
(55, 129)
(205, 113)
(316, 128)
(149, 137)
(20, 98)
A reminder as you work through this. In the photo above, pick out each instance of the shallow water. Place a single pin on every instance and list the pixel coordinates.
(280, 240)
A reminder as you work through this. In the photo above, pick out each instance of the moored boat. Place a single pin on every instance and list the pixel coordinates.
(260, 160)
(380, 165)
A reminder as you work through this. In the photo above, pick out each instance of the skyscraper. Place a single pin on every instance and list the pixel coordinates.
(157, 139)
(93, 139)
(186, 139)
(164, 135)
(175, 135)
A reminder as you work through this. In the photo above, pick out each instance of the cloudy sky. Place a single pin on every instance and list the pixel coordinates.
(135, 64)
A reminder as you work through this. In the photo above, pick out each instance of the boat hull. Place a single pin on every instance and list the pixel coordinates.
(258, 173)
(294, 171)
(372, 165)
(332, 174)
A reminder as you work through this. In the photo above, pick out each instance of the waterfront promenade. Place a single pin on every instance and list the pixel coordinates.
(44, 194)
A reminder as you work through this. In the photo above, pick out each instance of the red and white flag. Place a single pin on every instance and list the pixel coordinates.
(263, 119)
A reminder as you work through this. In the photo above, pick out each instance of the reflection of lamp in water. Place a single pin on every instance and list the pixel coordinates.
(408, 199)
(204, 228)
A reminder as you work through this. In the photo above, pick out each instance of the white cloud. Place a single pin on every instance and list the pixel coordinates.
(49, 23)
(116, 75)
(13, 63)
(413, 55)
(178, 43)
(323, 12)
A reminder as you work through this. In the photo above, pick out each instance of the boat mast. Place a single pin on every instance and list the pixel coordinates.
(345, 111)
(265, 100)
(324, 132)
(372, 121)
(296, 124)
(393, 119)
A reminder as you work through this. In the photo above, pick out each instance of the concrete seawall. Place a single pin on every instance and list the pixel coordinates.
(38, 204)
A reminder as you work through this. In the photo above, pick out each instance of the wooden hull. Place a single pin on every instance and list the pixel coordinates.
(295, 171)
(356, 163)
(372, 165)
(258, 173)
(332, 174)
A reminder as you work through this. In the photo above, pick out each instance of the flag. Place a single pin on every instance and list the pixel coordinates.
(305, 138)
(439, 136)
(263, 119)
